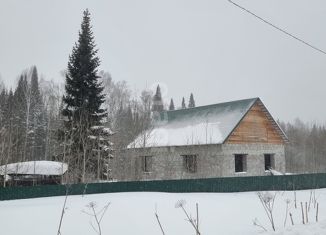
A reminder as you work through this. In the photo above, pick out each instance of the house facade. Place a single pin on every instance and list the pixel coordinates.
(238, 138)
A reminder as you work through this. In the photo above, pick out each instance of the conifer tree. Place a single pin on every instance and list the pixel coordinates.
(171, 107)
(38, 122)
(183, 104)
(7, 138)
(191, 101)
(3, 100)
(83, 98)
(9, 109)
(29, 118)
(123, 126)
(2, 85)
(22, 117)
(157, 101)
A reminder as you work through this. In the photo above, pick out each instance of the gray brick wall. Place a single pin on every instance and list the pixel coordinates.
(212, 161)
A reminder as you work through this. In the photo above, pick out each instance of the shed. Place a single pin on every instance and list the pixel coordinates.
(33, 172)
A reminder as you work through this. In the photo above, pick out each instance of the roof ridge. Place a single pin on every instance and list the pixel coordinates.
(210, 105)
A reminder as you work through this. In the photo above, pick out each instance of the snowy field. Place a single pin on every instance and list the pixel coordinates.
(133, 213)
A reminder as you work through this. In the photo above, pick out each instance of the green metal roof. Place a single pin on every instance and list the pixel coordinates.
(210, 124)
(204, 111)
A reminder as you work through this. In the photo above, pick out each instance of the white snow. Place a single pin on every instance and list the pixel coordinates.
(34, 167)
(275, 172)
(182, 134)
(211, 126)
(92, 137)
(97, 127)
(133, 213)
(106, 130)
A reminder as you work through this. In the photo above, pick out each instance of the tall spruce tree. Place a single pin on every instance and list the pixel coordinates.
(9, 115)
(157, 101)
(37, 119)
(183, 104)
(171, 107)
(3, 100)
(21, 119)
(83, 98)
(191, 101)
(123, 126)
(29, 118)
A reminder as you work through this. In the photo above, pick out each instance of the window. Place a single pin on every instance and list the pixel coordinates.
(240, 162)
(190, 163)
(269, 161)
(146, 163)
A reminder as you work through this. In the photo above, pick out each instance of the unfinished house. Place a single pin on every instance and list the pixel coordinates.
(238, 138)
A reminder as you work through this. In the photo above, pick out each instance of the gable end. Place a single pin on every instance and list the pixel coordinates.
(257, 126)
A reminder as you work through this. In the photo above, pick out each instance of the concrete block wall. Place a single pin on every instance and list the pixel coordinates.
(255, 158)
(212, 161)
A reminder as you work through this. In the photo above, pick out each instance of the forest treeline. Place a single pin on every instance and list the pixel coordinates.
(30, 117)
(306, 150)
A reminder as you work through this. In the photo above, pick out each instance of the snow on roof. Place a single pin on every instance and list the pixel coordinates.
(34, 168)
(210, 124)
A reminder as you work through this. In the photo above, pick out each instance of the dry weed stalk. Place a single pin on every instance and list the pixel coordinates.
(258, 224)
(302, 213)
(317, 210)
(193, 222)
(97, 215)
(267, 200)
(287, 201)
(158, 221)
(64, 208)
(291, 218)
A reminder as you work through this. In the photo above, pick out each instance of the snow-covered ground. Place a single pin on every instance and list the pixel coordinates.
(133, 213)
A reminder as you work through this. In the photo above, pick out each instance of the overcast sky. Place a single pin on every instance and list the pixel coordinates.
(208, 47)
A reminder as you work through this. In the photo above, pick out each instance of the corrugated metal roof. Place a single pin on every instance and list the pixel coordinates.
(210, 124)
(241, 106)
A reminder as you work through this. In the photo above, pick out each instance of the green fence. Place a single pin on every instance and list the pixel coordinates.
(227, 184)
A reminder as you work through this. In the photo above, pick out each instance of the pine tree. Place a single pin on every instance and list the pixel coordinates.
(157, 101)
(29, 118)
(9, 109)
(7, 132)
(83, 98)
(124, 126)
(3, 100)
(38, 118)
(21, 100)
(171, 107)
(183, 104)
(191, 101)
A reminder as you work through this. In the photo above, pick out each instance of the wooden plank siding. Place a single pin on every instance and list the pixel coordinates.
(255, 127)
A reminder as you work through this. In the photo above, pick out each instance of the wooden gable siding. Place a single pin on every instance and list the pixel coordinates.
(255, 127)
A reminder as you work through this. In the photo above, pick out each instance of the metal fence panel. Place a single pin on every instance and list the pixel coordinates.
(227, 184)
